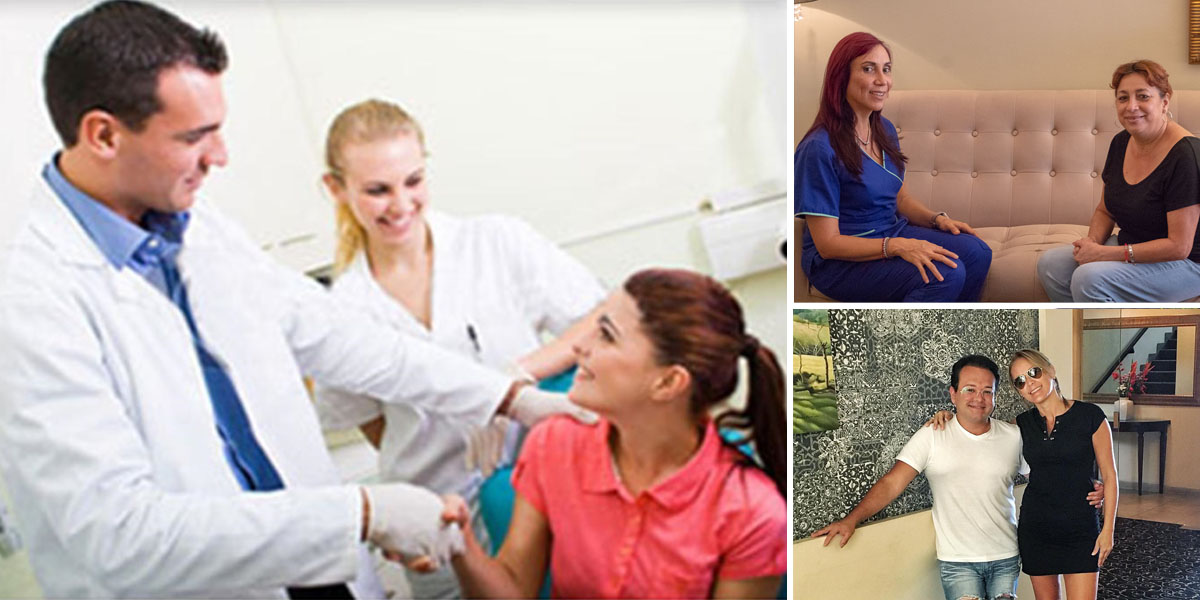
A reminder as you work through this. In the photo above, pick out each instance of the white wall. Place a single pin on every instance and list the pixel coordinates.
(581, 117)
(893, 558)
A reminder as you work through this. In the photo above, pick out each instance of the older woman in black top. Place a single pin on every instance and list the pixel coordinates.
(1152, 192)
(1063, 441)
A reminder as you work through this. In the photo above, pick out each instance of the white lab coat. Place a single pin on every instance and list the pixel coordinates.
(107, 437)
(494, 273)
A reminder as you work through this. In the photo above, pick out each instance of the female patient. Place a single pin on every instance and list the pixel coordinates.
(485, 286)
(651, 503)
(1152, 192)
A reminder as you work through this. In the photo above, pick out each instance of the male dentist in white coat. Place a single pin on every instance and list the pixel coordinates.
(155, 434)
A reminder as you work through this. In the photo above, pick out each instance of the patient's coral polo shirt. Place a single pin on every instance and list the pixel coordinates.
(716, 518)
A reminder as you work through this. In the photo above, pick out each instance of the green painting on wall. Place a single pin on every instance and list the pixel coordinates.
(814, 393)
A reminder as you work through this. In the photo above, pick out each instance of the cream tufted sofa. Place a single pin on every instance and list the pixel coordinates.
(1021, 167)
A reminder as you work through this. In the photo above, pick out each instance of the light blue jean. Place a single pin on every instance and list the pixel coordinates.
(1110, 281)
(980, 580)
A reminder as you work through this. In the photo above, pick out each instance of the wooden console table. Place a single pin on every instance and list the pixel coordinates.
(1141, 428)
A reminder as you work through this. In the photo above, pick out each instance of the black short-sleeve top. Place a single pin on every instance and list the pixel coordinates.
(1141, 209)
(1061, 462)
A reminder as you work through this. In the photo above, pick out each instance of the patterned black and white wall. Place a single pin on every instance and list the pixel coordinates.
(893, 370)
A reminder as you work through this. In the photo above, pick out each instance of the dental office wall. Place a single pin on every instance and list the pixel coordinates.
(605, 125)
(1011, 45)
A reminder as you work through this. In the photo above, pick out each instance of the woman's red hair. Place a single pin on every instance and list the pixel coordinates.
(835, 115)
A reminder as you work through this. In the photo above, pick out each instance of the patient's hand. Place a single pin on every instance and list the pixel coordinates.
(939, 419)
(1087, 250)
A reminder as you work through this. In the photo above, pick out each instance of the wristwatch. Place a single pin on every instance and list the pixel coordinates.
(933, 221)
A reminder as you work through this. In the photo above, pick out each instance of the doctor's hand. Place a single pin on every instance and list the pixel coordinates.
(530, 405)
(952, 226)
(485, 445)
(406, 521)
(922, 255)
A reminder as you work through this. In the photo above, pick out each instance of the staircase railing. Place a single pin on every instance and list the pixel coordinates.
(1126, 351)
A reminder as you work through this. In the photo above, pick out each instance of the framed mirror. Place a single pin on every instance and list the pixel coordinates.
(1169, 343)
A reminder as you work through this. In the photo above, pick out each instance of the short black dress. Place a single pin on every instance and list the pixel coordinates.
(1057, 528)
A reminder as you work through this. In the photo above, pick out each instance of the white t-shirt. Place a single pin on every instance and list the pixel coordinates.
(971, 476)
(492, 274)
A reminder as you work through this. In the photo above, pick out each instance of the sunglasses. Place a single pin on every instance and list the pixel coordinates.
(1034, 372)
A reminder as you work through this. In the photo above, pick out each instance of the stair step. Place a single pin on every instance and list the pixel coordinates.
(1155, 387)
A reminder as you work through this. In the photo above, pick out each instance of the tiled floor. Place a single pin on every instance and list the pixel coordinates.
(1170, 507)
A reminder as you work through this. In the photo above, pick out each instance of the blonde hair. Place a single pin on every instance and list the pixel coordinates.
(368, 121)
(1038, 360)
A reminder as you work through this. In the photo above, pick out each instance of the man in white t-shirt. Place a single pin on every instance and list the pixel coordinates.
(970, 464)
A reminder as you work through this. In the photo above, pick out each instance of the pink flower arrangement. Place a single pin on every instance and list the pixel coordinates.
(1126, 382)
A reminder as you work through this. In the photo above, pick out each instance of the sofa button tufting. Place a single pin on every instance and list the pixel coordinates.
(1095, 174)
(1052, 173)
(1095, 131)
(974, 174)
(1053, 132)
(974, 134)
(933, 173)
(1014, 132)
(1013, 172)
(937, 132)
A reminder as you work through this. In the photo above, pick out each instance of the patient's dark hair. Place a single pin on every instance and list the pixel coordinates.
(973, 360)
(1154, 73)
(109, 58)
(695, 322)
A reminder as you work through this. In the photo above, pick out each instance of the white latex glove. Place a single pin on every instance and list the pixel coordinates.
(532, 405)
(485, 445)
(407, 520)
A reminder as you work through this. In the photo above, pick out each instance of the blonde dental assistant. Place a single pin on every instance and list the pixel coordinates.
(485, 287)
(155, 435)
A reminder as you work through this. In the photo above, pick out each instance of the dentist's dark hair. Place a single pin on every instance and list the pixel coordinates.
(696, 323)
(109, 58)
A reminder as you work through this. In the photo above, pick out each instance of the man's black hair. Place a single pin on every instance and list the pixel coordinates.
(973, 360)
(110, 57)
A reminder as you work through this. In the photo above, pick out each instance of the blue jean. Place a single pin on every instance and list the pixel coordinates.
(895, 279)
(1110, 281)
(982, 580)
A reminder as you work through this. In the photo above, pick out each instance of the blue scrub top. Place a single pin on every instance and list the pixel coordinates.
(864, 206)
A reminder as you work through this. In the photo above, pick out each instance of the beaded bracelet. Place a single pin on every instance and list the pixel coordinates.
(1129, 254)
(885, 241)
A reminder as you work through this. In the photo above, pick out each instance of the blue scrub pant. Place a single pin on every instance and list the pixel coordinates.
(895, 279)
(1110, 281)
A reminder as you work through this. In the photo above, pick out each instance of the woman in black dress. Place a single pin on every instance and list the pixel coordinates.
(1058, 531)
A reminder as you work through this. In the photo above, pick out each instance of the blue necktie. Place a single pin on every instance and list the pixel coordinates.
(250, 463)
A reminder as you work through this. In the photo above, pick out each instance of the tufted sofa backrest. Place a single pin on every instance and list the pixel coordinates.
(1008, 158)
